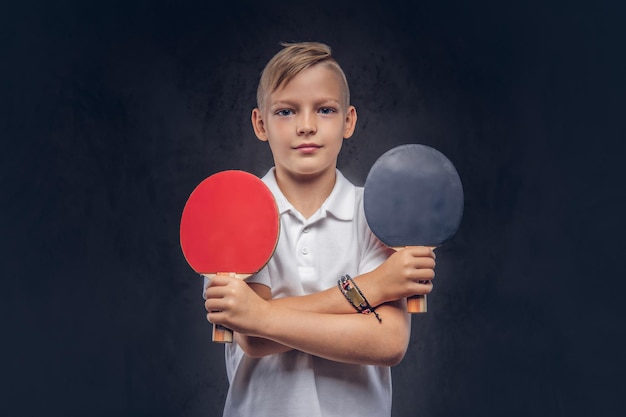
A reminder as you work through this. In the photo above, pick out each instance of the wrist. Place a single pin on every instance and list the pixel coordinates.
(369, 284)
(274, 321)
(264, 320)
(355, 296)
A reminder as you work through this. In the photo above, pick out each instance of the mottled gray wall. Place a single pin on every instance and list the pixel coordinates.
(111, 112)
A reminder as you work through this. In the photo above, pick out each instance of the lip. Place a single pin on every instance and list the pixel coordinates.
(308, 147)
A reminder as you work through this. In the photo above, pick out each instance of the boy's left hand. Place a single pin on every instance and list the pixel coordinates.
(407, 272)
(232, 303)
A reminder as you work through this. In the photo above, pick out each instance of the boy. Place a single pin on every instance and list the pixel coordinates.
(300, 348)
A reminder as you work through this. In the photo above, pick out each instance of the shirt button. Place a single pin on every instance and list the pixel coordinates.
(306, 230)
(305, 251)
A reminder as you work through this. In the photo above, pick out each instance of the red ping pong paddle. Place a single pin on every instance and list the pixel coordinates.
(413, 197)
(230, 226)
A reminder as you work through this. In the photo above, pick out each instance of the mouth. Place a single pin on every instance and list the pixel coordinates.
(307, 147)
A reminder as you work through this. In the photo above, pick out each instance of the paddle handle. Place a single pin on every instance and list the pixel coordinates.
(416, 303)
(222, 334)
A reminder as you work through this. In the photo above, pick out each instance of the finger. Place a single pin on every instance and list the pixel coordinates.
(420, 287)
(215, 317)
(209, 305)
(426, 286)
(419, 251)
(220, 280)
(422, 274)
(214, 292)
(419, 263)
(425, 263)
(218, 300)
(221, 286)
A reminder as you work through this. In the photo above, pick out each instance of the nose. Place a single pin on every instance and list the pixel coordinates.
(306, 123)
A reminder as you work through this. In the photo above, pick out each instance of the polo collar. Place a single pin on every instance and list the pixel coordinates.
(340, 202)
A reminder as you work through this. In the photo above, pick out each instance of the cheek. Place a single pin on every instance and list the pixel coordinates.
(277, 146)
(278, 130)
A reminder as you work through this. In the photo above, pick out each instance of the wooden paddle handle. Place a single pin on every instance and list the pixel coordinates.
(223, 334)
(417, 304)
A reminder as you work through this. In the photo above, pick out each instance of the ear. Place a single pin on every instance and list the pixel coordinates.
(258, 124)
(350, 122)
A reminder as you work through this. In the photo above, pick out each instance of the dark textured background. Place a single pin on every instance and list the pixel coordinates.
(111, 112)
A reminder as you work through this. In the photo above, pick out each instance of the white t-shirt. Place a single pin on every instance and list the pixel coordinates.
(311, 255)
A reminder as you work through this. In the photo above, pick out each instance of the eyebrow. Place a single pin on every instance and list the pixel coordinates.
(291, 103)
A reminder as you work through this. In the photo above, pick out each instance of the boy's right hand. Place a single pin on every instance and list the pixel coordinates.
(407, 272)
(231, 302)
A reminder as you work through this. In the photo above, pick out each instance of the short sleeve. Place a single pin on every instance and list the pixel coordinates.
(372, 251)
(261, 277)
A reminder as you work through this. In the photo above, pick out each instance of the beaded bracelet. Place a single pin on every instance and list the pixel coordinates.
(353, 294)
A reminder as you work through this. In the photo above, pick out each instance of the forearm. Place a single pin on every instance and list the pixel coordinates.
(258, 347)
(330, 301)
(350, 338)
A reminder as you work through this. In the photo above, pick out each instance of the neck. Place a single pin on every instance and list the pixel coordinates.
(306, 194)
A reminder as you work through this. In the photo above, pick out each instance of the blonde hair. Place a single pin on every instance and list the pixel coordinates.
(291, 61)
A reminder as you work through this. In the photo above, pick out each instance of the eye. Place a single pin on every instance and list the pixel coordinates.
(284, 112)
(327, 110)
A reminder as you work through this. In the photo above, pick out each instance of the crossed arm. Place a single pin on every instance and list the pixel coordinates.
(324, 324)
